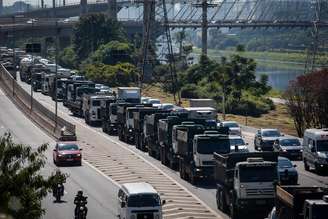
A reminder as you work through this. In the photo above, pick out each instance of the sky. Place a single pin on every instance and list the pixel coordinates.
(38, 2)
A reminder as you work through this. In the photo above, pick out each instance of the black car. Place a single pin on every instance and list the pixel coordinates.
(264, 139)
(288, 147)
(287, 173)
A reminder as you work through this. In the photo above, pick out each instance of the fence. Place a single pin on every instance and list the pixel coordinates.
(43, 117)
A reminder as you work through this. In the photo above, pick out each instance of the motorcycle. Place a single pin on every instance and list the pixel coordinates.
(58, 192)
(82, 210)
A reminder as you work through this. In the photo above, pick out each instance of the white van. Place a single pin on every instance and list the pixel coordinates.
(139, 200)
(315, 149)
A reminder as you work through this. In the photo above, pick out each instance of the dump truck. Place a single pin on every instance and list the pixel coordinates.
(194, 148)
(299, 202)
(138, 125)
(246, 183)
(199, 115)
(129, 94)
(151, 132)
(109, 118)
(125, 121)
(75, 93)
(91, 107)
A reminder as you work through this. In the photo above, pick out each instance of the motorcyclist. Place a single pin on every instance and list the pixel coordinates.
(59, 179)
(79, 201)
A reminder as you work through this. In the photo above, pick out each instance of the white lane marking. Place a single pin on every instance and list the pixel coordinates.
(145, 160)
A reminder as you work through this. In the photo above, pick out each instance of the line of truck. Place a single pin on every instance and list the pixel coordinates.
(190, 141)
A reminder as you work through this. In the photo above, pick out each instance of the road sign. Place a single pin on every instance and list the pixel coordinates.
(33, 48)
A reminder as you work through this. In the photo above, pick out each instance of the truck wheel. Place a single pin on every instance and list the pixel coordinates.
(234, 214)
(221, 203)
(193, 179)
(306, 166)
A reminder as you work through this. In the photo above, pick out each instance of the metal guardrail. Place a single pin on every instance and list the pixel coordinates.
(62, 130)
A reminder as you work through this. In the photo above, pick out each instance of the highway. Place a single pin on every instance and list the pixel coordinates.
(113, 162)
(100, 145)
(101, 192)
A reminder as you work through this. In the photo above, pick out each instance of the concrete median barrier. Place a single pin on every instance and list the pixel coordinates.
(40, 115)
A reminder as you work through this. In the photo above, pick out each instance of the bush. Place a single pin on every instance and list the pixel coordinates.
(189, 91)
(122, 74)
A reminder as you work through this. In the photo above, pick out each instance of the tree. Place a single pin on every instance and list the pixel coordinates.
(112, 53)
(22, 187)
(121, 74)
(93, 30)
(67, 58)
(307, 100)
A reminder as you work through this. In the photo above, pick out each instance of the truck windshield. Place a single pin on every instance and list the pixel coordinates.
(258, 173)
(145, 200)
(322, 145)
(208, 146)
(96, 103)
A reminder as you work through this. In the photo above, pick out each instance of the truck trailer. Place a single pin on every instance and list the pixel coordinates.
(299, 202)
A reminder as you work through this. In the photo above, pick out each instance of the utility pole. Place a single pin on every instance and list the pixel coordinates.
(204, 27)
(56, 74)
(54, 8)
(112, 9)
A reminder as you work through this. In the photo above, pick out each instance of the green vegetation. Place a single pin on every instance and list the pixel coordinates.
(233, 79)
(101, 51)
(21, 184)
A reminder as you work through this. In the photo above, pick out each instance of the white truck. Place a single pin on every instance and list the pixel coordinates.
(315, 149)
(91, 107)
(128, 94)
(246, 183)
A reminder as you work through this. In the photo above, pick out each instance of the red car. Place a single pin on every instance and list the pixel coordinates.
(67, 152)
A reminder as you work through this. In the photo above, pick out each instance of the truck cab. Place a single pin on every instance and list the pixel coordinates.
(139, 200)
(92, 105)
(246, 183)
(315, 149)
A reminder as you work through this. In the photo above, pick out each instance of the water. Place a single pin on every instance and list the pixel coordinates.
(279, 78)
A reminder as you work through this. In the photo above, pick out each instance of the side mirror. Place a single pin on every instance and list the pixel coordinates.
(247, 143)
(282, 134)
(294, 165)
(163, 202)
(81, 149)
(123, 204)
(312, 149)
(55, 150)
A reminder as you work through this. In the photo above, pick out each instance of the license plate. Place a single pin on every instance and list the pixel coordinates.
(69, 159)
(260, 202)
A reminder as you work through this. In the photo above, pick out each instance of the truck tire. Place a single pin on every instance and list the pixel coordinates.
(220, 200)
(193, 179)
(306, 166)
(234, 214)
(182, 171)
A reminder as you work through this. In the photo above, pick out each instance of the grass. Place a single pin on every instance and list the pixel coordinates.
(278, 118)
(288, 60)
(275, 93)
(155, 91)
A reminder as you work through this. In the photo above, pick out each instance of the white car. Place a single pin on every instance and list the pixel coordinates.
(145, 100)
(234, 128)
(238, 144)
(154, 101)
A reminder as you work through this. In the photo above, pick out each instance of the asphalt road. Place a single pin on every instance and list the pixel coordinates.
(101, 192)
(204, 192)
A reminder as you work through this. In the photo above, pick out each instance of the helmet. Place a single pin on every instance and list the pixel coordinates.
(80, 193)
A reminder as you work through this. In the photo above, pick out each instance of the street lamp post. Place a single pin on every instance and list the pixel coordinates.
(56, 74)
(32, 21)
